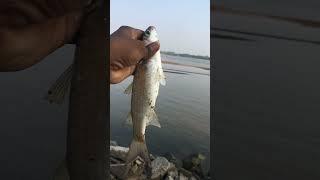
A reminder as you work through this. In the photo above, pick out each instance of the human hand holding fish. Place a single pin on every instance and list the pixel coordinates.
(126, 50)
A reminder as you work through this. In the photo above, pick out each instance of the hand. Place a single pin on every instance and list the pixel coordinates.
(126, 50)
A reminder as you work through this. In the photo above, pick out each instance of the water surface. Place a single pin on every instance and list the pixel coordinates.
(183, 108)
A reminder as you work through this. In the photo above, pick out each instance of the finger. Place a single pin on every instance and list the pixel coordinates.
(136, 34)
(151, 50)
(140, 52)
(120, 75)
(129, 32)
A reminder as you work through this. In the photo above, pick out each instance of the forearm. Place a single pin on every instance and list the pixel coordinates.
(23, 47)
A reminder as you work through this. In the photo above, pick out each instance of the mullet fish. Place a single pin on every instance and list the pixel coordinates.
(144, 89)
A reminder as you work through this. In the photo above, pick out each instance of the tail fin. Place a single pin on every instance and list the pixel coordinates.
(59, 89)
(138, 148)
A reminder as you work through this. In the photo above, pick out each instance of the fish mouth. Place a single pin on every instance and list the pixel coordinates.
(151, 28)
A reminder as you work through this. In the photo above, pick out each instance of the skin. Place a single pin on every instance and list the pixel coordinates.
(127, 50)
(30, 30)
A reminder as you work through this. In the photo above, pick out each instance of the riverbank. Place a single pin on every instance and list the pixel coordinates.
(165, 167)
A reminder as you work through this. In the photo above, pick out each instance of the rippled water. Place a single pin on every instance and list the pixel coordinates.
(183, 108)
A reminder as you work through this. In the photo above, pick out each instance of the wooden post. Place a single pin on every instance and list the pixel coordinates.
(89, 106)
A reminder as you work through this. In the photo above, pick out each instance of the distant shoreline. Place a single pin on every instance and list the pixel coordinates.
(185, 55)
(174, 63)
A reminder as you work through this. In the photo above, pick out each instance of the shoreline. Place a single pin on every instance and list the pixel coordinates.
(186, 65)
(163, 167)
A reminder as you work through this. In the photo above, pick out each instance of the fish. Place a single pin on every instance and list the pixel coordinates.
(144, 91)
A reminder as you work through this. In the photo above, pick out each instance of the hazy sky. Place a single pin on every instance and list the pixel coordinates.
(183, 25)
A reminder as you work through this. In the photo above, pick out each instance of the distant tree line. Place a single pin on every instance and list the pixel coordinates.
(185, 55)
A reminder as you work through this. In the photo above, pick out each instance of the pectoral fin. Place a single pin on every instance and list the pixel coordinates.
(162, 77)
(153, 119)
(163, 80)
(59, 89)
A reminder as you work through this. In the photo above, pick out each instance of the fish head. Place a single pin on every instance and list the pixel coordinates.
(150, 35)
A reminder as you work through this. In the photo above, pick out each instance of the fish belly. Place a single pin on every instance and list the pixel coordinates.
(144, 94)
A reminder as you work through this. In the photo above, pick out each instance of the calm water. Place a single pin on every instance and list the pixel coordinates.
(267, 97)
(33, 132)
(183, 108)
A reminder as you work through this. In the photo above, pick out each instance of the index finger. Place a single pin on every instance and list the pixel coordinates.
(136, 34)
(131, 33)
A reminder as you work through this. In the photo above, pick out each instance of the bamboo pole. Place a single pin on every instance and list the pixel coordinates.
(88, 108)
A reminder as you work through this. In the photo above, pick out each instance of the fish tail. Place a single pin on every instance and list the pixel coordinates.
(139, 148)
(58, 90)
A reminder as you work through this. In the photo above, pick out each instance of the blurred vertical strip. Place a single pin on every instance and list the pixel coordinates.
(212, 74)
(89, 106)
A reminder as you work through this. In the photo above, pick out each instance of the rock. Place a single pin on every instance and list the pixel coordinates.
(167, 167)
(112, 177)
(119, 149)
(160, 166)
(182, 177)
(152, 157)
(185, 172)
(174, 173)
(137, 166)
(192, 163)
(193, 178)
(113, 143)
(198, 171)
(117, 169)
(169, 156)
(173, 159)
(196, 177)
(119, 152)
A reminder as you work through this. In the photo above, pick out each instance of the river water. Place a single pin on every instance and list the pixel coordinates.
(183, 108)
(33, 132)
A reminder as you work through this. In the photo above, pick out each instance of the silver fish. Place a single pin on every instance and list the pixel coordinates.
(144, 89)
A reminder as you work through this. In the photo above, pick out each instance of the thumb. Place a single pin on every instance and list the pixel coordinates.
(151, 49)
(142, 52)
